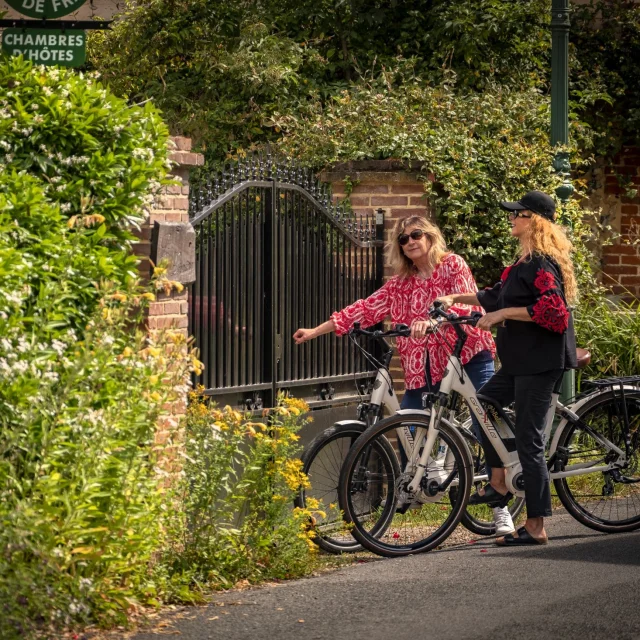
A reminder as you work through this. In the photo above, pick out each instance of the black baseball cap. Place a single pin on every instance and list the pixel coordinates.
(535, 201)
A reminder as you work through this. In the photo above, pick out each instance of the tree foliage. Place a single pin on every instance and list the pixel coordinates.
(219, 70)
(482, 148)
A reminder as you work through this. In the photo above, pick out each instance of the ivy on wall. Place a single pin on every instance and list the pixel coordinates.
(482, 148)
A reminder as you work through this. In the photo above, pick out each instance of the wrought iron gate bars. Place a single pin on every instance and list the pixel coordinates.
(274, 253)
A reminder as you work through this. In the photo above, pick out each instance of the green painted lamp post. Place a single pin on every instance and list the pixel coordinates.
(560, 93)
(560, 24)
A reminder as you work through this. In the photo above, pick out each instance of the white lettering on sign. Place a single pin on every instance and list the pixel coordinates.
(34, 5)
(45, 55)
(42, 40)
(45, 48)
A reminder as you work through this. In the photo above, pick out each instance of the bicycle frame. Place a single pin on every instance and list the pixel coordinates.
(495, 424)
(498, 428)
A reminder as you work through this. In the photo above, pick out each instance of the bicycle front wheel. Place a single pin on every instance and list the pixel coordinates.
(608, 501)
(401, 524)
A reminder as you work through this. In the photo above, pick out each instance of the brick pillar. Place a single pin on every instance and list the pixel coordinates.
(393, 186)
(621, 260)
(169, 311)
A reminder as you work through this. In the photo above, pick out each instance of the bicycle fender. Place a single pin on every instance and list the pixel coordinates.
(342, 423)
(407, 412)
(575, 408)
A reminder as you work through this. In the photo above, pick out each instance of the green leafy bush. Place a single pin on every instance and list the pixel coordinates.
(82, 384)
(80, 499)
(239, 481)
(482, 148)
(94, 156)
(214, 79)
(219, 70)
(611, 332)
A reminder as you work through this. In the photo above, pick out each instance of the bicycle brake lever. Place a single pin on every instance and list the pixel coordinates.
(402, 328)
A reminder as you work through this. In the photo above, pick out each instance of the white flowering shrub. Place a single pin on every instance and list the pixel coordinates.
(82, 385)
(100, 159)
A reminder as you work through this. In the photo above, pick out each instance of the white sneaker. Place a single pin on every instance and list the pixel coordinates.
(504, 523)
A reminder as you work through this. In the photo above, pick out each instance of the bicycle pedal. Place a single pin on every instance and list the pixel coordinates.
(404, 508)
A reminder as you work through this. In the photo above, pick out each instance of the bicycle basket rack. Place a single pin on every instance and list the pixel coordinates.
(611, 382)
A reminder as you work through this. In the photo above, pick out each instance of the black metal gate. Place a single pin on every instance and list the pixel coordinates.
(274, 254)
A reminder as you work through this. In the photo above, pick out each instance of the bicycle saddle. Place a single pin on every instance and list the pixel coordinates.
(583, 358)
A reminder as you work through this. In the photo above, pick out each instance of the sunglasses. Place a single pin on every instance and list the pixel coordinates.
(416, 234)
(517, 214)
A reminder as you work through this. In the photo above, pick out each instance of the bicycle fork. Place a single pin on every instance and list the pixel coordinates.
(432, 434)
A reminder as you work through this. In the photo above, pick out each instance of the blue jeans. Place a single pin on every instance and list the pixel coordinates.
(480, 369)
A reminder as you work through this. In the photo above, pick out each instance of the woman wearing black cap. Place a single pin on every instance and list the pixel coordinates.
(536, 343)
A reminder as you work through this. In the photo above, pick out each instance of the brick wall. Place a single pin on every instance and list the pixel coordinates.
(621, 260)
(169, 311)
(388, 185)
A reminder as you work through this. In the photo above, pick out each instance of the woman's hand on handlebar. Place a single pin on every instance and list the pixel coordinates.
(490, 319)
(446, 302)
(420, 328)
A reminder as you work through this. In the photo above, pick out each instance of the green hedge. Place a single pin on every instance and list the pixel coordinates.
(482, 148)
(82, 387)
(95, 157)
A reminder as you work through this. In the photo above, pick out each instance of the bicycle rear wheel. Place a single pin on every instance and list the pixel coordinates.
(607, 501)
(402, 525)
(322, 461)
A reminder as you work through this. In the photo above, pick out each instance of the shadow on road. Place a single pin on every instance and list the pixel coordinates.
(617, 549)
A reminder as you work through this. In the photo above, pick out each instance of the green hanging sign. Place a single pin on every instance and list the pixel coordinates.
(46, 46)
(45, 8)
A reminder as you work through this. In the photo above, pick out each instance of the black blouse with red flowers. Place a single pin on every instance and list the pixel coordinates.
(549, 342)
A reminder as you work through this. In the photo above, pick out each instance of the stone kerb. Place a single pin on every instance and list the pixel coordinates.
(169, 311)
(393, 186)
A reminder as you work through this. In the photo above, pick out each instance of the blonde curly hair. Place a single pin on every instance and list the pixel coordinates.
(549, 239)
(404, 266)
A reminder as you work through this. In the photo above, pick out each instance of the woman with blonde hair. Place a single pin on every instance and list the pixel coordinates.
(425, 270)
(536, 343)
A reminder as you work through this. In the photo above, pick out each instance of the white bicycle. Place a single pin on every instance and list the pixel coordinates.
(593, 458)
(323, 458)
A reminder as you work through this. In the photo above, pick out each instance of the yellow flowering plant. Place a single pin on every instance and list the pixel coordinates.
(240, 476)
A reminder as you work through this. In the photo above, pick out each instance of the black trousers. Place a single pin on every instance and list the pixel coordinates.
(532, 396)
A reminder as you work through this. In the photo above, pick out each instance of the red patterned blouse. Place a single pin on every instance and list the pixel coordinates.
(407, 299)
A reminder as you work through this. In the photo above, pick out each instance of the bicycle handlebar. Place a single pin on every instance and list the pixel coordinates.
(404, 331)
(438, 312)
(400, 330)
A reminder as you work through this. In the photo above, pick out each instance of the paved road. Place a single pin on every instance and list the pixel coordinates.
(583, 585)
